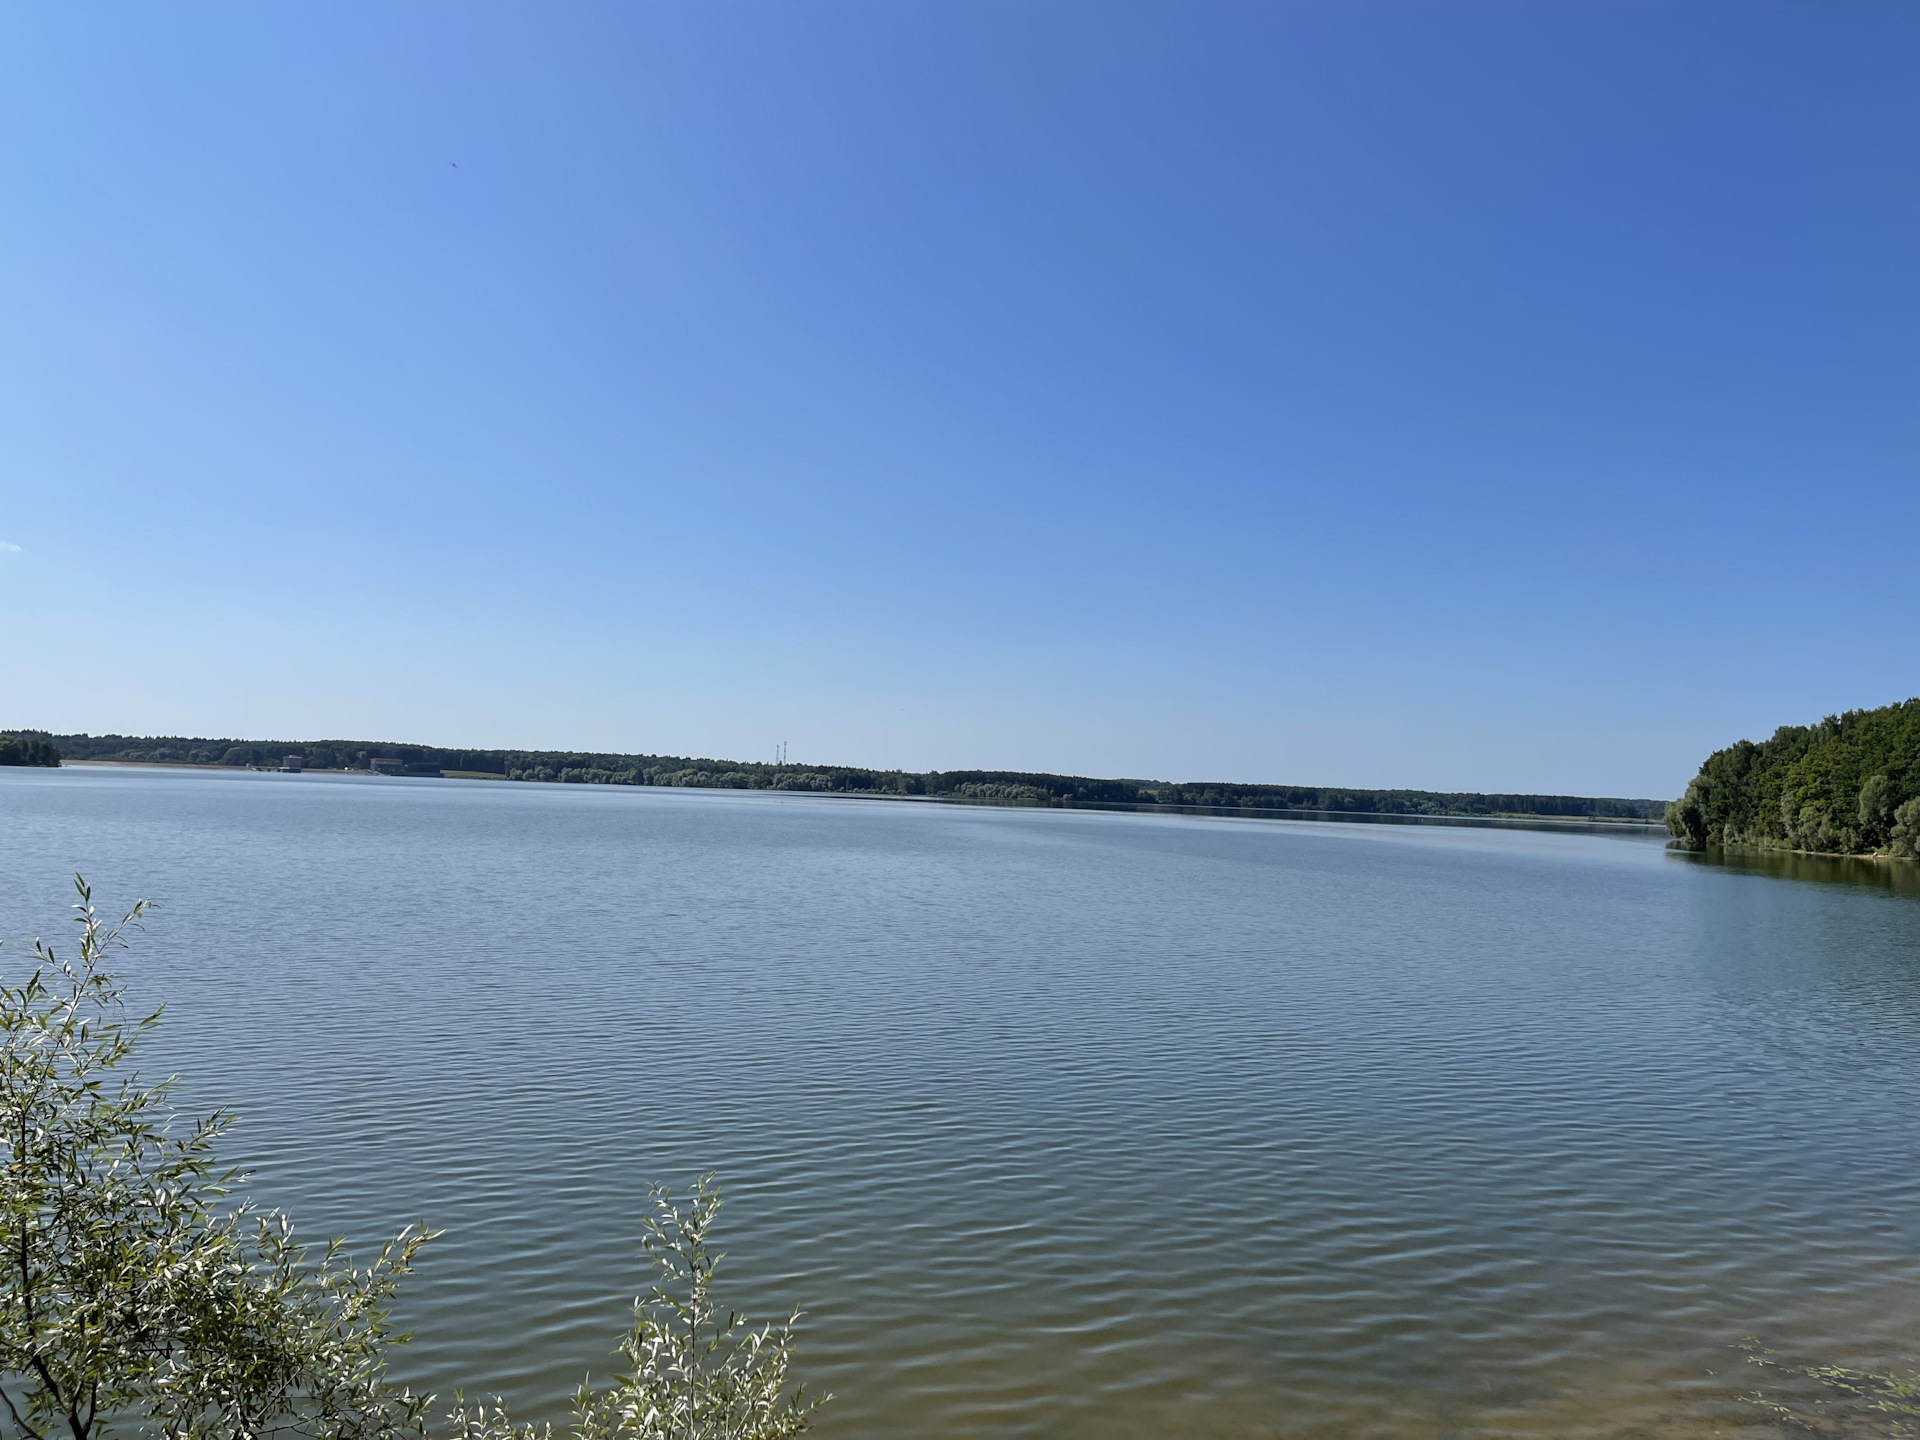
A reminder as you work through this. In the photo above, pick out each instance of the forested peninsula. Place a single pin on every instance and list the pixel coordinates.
(986, 786)
(27, 749)
(1847, 786)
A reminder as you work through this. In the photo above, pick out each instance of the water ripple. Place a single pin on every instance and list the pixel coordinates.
(1059, 1124)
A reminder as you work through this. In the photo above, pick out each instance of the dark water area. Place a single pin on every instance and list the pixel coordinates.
(1056, 1122)
(1582, 823)
(1896, 877)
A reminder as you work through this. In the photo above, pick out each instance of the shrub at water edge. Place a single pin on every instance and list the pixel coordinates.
(695, 1376)
(135, 1292)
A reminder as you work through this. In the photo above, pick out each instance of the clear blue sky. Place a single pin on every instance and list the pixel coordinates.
(1497, 396)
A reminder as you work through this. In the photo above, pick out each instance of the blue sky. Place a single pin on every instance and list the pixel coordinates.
(1493, 396)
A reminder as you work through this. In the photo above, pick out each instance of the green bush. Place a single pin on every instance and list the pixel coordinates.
(692, 1375)
(131, 1289)
(135, 1294)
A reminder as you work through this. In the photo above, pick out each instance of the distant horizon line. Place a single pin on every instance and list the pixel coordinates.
(103, 745)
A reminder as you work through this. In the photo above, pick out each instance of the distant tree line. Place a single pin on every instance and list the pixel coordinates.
(986, 786)
(27, 748)
(1849, 785)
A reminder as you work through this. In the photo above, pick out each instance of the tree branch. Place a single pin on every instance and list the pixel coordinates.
(24, 1428)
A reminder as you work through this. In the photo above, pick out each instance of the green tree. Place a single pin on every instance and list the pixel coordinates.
(1687, 817)
(130, 1290)
(1877, 798)
(1836, 786)
(1905, 835)
(18, 749)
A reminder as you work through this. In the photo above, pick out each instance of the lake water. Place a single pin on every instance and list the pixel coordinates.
(1056, 1123)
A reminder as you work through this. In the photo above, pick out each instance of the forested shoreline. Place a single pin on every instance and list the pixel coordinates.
(1849, 785)
(992, 786)
(18, 748)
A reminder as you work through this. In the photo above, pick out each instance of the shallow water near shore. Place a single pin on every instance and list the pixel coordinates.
(1057, 1123)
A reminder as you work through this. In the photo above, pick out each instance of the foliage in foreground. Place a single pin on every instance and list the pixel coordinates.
(693, 1375)
(132, 1293)
(129, 1288)
(1849, 785)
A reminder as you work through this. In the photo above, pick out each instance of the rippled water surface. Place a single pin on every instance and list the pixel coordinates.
(1056, 1123)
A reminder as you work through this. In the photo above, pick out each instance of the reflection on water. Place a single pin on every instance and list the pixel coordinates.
(1900, 877)
(1639, 830)
(1058, 1123)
